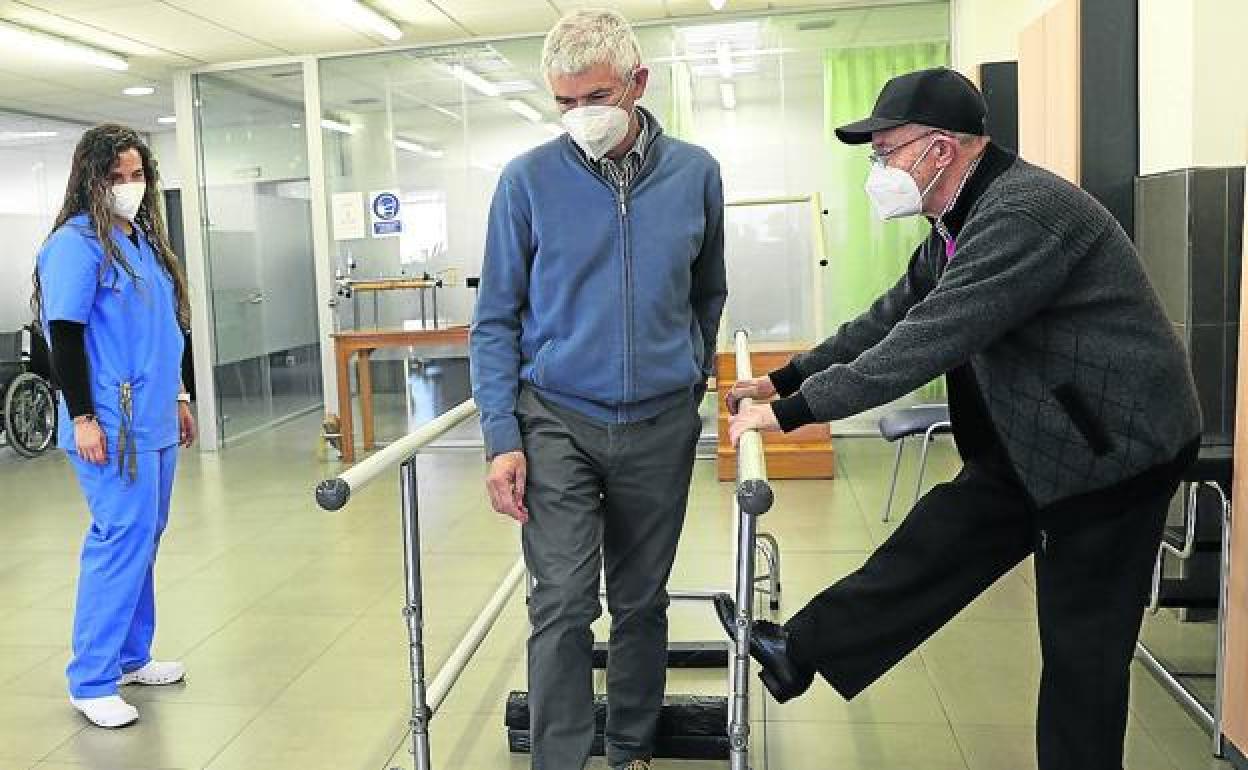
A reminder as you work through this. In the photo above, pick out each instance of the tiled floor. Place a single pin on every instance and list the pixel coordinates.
(288, 619)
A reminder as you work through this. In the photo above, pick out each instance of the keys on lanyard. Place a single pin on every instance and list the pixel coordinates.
(127, 453)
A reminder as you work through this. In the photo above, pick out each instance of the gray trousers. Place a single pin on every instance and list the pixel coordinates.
(596, 494)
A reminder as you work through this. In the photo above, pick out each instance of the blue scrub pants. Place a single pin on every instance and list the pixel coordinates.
(115, 617)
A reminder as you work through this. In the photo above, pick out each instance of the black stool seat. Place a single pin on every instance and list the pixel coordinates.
(1214, 463)
(914, 421)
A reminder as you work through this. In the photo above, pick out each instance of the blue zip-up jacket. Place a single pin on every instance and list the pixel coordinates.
(606, 303)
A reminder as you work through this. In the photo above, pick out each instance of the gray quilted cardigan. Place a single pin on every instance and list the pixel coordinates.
(1084, 379)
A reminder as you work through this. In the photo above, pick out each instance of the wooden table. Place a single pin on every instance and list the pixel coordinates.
(362, 344)
(806, 453)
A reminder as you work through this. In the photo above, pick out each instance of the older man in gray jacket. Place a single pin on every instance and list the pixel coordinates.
(1072, 404)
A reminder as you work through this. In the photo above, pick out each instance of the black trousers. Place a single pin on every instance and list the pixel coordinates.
(1093, 558)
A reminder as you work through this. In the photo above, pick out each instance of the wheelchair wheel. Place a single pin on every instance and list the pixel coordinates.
(29, 415)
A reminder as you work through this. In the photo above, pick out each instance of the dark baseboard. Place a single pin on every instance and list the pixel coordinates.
(1234, 755)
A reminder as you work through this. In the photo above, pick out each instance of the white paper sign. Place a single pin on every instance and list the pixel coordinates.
(349, 216)
(384, 212)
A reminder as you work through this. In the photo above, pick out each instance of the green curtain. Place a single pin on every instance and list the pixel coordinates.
(867, 255)
(680, 121)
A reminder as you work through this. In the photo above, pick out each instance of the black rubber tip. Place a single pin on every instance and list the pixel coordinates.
(332, 494)
(755, 497)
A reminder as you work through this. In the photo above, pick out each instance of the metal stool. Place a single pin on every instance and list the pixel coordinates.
(927, 420)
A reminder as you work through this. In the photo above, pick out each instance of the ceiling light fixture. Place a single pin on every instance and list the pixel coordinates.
(366, 19)
(416, 148)
(334, 125)
(525, 110)
(412, 147)
(59, 48)
(139, 91)
(15, 136)
(718, 5)
(167, 119)
(473, 80)
(728, 96)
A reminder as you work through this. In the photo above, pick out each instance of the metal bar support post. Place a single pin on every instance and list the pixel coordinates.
(753, 498)
(413, 612)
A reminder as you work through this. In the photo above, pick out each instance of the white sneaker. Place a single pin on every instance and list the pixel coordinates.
(109, 711)
(156, 673)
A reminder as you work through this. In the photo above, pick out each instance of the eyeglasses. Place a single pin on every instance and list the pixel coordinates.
(602, 96)
(880, 157)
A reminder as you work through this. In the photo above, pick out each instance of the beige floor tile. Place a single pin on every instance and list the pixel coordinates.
(999, 747)
(17, 660)
(1188, 748)
(33, 727)
(985, 672)
(36, 627)
(180, 735)
(862, 746)
(325, 736)
(904, 695)
(1010, 598)
(1152, 705)
(373, 683)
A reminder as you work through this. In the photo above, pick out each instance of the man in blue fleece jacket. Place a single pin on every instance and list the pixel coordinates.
(601, 292)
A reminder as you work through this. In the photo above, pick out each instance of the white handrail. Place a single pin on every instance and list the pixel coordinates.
(333, 494)
(467, 647)
(753, 489)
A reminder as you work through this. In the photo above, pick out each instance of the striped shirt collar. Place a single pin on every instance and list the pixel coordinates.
(623, 172)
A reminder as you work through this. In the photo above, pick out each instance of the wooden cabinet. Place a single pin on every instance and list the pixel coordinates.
(805, 453)
(1049, 90)
(1235, 680)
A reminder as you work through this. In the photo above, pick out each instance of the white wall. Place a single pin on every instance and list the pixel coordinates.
(32, 187)
(988, 30)
(1193, 111)
(1220, 83)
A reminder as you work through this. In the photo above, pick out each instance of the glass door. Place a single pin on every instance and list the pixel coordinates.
(257, 234)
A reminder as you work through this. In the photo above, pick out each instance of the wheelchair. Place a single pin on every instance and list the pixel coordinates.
(27, 394)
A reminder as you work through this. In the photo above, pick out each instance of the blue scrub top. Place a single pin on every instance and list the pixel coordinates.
(132, 331)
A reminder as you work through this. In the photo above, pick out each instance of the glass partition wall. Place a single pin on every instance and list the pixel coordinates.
(257, 242)
(410, 142)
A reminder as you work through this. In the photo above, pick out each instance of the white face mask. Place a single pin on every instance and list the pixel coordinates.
(127, 198)
(598, 129)
(894, 193)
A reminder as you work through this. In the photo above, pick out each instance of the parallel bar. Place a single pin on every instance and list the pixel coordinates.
(334, 493)
(467, 646)
(753, 490)
(776, 201)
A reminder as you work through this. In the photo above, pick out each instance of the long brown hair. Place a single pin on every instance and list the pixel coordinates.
(89, 192)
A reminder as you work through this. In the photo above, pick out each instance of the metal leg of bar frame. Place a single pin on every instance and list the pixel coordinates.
(1224, 582)
(739, 705)
(892, 487)
(928, 436)
(413, 612)
(770, 549)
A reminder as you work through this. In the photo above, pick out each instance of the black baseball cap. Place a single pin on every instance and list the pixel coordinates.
(937, 97)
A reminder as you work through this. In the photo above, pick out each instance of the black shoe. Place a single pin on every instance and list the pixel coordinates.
(769, 646)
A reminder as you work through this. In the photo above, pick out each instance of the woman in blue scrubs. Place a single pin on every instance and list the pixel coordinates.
(113, 301)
